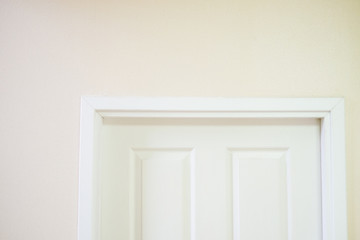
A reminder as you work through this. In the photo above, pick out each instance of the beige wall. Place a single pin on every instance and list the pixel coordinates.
(52, 52)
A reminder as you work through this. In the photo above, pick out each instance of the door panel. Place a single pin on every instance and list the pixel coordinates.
(229, 179)
(161, 190)
(260, 194)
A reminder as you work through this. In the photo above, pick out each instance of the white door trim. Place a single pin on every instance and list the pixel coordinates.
(329, 110)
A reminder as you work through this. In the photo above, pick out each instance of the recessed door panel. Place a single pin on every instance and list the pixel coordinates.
(161, 193)
(260, 194)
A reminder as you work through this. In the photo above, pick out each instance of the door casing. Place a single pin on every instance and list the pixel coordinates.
(329, 110)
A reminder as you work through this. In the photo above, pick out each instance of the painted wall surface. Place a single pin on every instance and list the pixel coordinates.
(53, 52)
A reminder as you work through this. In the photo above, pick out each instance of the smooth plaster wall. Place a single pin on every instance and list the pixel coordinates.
(53, 52)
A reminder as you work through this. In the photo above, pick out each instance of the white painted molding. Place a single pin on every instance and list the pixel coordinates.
(329, 110)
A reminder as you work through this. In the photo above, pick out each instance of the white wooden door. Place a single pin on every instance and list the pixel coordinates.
(213, 179)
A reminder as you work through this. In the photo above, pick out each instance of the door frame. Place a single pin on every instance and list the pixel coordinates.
(329, 110)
